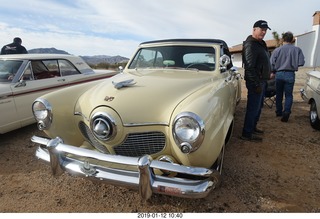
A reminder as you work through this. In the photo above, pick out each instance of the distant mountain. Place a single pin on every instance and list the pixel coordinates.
(47, 50)
(94, 60)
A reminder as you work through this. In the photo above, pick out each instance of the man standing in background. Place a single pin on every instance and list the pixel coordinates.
(285, 61)
(14, 48)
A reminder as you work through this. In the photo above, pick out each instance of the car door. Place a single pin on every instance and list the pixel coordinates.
(236, 81)
(39, 78)
(8, 109)
(9, 70)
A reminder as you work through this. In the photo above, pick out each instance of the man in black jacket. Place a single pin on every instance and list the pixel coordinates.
(257, 69)
(14, 48)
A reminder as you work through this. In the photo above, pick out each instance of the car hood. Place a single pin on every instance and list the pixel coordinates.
(151, 98)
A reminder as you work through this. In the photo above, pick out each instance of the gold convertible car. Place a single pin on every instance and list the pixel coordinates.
(159, 126)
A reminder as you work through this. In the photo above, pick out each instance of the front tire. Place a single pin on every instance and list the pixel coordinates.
(314, 117)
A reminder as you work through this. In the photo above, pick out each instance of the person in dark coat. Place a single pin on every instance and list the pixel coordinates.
(257, 69)
(14, 48)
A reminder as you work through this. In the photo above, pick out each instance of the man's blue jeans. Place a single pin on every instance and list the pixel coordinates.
(254, 104)
(284, 85)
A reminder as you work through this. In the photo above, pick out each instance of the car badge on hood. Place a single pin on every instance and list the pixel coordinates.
(122, 84)
(108, 99)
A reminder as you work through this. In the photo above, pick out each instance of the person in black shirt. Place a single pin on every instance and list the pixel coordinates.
(257, 68)
(14, 48)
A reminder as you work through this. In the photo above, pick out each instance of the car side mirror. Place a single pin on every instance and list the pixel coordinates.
(224, 61)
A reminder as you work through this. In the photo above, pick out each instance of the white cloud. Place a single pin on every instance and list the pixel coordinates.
(108, 27)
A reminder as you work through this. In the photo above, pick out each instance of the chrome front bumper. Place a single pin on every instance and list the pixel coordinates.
(55, 152)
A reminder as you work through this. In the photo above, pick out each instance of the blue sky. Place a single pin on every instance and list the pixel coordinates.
(116, 27)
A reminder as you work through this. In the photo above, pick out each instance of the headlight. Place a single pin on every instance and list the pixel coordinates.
(188, 131)
(42, 112)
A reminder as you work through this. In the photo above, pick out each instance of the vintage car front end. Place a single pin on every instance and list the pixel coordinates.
(158, 130)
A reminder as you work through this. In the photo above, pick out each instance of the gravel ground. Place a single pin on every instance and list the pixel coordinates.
(281, 174)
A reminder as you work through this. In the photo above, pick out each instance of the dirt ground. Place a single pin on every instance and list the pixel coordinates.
(281, 174)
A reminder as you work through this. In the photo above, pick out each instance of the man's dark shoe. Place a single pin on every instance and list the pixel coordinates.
(258, 131)
(252, 138)
(285, 117)
(278, 114)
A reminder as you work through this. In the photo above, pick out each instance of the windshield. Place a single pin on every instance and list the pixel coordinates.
(186, 57)
(8, 69)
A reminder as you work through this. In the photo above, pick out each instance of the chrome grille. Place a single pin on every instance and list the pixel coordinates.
(138, 144)
(86, 132)
(135, 145)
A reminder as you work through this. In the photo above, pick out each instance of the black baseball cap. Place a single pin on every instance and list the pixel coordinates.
(261, 24)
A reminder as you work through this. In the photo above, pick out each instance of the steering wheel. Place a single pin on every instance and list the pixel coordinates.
(199, 66)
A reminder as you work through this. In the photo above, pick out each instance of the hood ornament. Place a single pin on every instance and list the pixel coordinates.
(122, 84)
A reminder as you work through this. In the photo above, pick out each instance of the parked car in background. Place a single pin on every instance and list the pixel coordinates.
(25, 77)
(160, 126)
(311, 93)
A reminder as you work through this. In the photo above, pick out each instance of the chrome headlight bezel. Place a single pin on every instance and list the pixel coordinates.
(188, 131)
(42, 112)
(103, 126)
